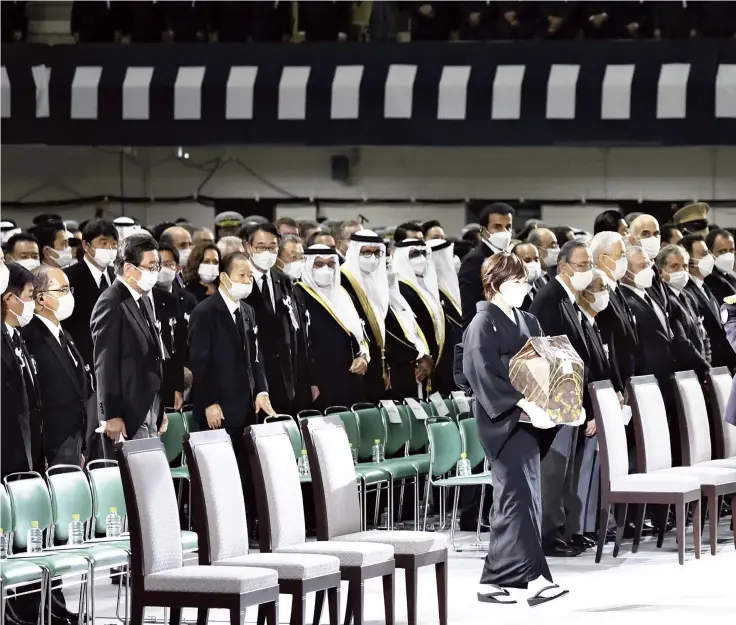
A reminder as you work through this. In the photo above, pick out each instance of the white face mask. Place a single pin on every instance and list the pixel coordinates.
(622, 266)
(500, 240)
(147, 280)
(63, 257)
(705, 265)
(651, 246)
(239, 291)
(419, 264)
(4, 277)
(324, 276)
(580, 280)
(294, 269)
(184, 257)
(551, 257)
(29, 263)
(724, 262)
(264, 260)
(513, 293)
(166, 277)
(208, 273)
(368, 265)
(600, 301)
(644, 278)
(104, 257)
(65, 306)
(25, 317)
(678, 279)
(533, 271)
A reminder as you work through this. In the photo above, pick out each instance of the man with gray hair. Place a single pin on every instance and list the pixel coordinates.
(555, 306)
(616, 323)
(346, 230)
(546, 242)
(691, 345)
(229, 245)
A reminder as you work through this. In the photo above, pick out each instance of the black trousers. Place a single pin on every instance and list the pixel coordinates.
(277, 392)
(515, 554)
(246, 480)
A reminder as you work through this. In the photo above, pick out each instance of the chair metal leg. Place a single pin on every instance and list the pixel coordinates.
(455, 501)
(175, 616)
(681, 518)
(440, 570)
(333, 603)
(411, 595)
(401, 500)
(480, 511)
(319, 600)
(697, 531)
(426, 505)
(620, 526)
(389, 599)
(376, 506)
(640, 511)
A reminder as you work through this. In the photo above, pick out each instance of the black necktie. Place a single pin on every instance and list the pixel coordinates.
(15, 340)
(712, 301)
(104, 282)
(266, 292)
(239, 325)
(144, 305)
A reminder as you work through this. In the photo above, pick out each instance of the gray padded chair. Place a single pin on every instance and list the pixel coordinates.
(158, 575)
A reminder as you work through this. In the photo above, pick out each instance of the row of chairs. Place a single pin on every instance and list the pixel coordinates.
(52, 502)
(287, 564)
(656, 481)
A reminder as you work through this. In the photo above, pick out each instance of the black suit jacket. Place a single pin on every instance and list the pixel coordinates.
(599, 367)
(224, 371)
(722, 354)
(63, 386)
(721, 284)
(689, 344)
(21, 427)
(618, 331)
(534, 289)
(127, 358)
(86, 294)
(170, 316)
(471, 288)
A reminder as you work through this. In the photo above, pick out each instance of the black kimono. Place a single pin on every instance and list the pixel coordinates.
(333, 350)
(442, 380)
(514, 449)
(401, 356)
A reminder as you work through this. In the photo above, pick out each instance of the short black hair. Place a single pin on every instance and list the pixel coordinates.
(714, 234)
(568, 249)
(158, 230)
(165, 247)
(608, 221)
(46, 218)
(402, 230)
(689, 241)
(226, 264)
(286, 221)
(497, 208)
(21, 237)
(561, 234)
(666, 231)
(249, 231)
(46, 233)
(428, 225)
(18, 278)
(99, 228)
(132, 248)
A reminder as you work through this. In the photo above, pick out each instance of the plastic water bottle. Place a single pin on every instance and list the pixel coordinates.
(463, 466)
(354, 454)
(377, 451)
(76, 531)
(303, 464)
(34, 538)
(113, 524)
(3, 545)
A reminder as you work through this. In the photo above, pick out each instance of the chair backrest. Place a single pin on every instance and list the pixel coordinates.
(192, 424)
(611, 432)
(30, 501)
(277, 486)
(292, 430)
(653, 450)
(371, 427)
(693, 415)
(70, 495)
(350, 423)
(471, 441)
(721, 384)
(6, 512)
(397, 434)
(308, 414)
(217, 495)
(337, 505)
(418, 438)
(445, 445)
(107, 491)
(153, 513)
(173, 438)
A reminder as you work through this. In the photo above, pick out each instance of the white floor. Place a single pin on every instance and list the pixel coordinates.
(642, 586)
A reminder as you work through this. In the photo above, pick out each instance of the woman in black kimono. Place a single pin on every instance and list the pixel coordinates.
(496, 334)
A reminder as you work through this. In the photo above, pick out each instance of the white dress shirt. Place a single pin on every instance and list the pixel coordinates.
(136, 295)
(612, 284)
(96, 273)
(258, 278)
(55, 330)
(657, 310)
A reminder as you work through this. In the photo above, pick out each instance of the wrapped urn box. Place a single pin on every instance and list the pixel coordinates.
(550, 374)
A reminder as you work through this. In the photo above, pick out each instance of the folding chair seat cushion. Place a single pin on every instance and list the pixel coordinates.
(420, 462)
(654, 483)
(288, 566)
(102, 555)
(18, 571)
(471, 480)
(350, 554)
(707, 476)
(403, 542)
(371, 474)
(398, 467)
(211, 579)
(59, 563)
(725, 463)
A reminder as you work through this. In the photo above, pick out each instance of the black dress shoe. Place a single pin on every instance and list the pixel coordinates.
(561, 550)
(579, 542)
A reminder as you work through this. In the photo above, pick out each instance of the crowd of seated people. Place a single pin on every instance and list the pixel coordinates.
(323, 21)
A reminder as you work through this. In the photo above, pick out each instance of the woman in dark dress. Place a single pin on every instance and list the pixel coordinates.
(496, 334)
(201, 271)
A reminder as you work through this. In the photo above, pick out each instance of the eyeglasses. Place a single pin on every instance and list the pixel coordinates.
(369, 254)
(64, 290)
(581, 266)
(263, 248)
(152, 269)
(170, 265)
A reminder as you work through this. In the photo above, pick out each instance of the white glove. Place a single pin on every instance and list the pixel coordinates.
(581, 419)
(539, 417)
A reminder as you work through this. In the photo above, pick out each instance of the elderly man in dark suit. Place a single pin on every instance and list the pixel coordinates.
(722, 280)
(529, 254)
(496, 221)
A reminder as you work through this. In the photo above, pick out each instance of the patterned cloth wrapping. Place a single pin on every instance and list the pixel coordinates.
(550, 374)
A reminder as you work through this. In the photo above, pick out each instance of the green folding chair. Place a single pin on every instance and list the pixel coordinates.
(292, 430)
(477, 457)
(191, 423)
(173, 441)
